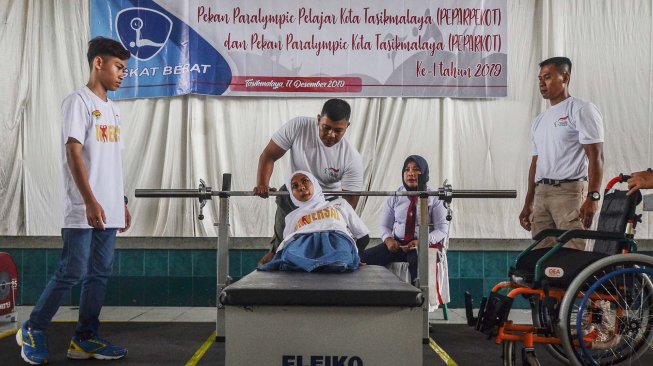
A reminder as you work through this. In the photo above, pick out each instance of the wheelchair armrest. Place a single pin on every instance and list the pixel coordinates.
(548, 232)
(590, 234)
(536, 240)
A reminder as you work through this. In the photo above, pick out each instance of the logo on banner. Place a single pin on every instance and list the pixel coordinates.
(143, 31)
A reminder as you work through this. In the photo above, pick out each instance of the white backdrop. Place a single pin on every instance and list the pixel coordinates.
(173, 142)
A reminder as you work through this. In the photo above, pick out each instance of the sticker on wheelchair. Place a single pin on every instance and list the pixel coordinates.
(554, 272)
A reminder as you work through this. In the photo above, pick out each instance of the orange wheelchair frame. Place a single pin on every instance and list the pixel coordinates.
(603, 316)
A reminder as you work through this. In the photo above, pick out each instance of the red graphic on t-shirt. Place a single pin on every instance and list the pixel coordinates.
(333, 172)
(104, 132)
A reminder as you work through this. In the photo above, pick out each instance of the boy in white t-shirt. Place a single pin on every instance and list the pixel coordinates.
(95, 209)
(320, 235)
(319, 147)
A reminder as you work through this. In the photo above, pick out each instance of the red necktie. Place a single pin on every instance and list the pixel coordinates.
(409, 232)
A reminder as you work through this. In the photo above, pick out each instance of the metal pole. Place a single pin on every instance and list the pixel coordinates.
(423, 263)
(222, 258)
(197, 193)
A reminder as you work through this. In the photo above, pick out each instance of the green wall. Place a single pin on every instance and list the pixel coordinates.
(146, 277)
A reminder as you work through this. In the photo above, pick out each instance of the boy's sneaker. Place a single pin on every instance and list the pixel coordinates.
(95, 347)
(34, 349)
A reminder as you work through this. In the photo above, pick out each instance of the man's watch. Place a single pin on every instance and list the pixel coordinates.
(126, 200)
(594, 195)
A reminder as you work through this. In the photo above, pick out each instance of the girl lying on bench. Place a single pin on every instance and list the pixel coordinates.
(320, 235)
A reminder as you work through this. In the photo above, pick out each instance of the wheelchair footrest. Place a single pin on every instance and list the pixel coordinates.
(494, 314)
(469, 310)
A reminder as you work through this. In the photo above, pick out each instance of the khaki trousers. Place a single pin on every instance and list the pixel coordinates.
(558, 207)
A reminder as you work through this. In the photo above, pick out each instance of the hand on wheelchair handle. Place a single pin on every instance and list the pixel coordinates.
(640, 180)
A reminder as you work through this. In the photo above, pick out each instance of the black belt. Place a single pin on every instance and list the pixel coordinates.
(556, 182)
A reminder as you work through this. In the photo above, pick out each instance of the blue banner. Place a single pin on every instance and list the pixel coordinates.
(164, 61)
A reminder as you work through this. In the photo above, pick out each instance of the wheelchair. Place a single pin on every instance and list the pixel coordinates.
(588, 307)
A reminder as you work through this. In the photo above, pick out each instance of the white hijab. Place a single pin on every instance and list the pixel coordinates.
(316, 202)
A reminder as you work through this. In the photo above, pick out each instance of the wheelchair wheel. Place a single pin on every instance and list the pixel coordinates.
(542, 318)
(509, 353)
(606, 315)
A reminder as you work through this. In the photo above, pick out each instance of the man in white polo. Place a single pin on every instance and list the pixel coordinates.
(316, 145)
(566, 169)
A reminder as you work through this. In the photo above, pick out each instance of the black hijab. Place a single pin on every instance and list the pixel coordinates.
(423, 166)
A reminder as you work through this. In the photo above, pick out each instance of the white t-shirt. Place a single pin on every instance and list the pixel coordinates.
(337, 167)
(96, 125)
(336, 215)
(558, 136)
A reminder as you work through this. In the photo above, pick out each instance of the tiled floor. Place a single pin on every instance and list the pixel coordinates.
(202, 314)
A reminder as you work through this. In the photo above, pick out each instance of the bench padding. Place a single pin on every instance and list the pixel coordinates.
(367, 286)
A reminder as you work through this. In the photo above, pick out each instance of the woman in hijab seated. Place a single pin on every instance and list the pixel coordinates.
(320, 235)
(400, 221)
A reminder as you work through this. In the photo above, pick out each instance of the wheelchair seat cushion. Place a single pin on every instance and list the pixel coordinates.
(559, 270)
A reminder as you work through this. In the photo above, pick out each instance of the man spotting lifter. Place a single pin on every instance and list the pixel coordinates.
(316, 145)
